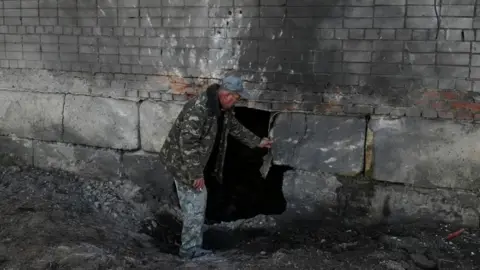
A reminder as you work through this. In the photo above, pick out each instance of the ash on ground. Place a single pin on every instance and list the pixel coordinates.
(53, 220)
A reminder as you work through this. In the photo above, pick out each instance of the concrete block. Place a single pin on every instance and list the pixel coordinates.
(428, 153)
(308, 194)
(392, 204)
(31, 115)
(15, 151)
(156, 119)
(44, 81)
(101, 122)
(319, 143)
(97, 163)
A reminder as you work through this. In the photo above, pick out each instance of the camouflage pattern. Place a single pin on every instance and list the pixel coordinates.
(193, 204)
(190, 142)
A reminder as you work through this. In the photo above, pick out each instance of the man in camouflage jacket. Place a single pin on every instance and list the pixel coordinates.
(203, 124)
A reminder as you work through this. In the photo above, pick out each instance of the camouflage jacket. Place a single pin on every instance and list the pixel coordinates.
(190, 141)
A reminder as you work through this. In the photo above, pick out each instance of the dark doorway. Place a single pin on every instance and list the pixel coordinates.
(244, 192)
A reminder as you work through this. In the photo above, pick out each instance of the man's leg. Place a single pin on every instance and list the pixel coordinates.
(193, 204)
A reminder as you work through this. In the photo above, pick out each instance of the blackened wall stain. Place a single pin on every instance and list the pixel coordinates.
(383, 51)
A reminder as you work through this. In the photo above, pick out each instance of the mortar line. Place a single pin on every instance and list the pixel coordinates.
(365, 150)
(79, 144)
(139, 104)
(63, 116)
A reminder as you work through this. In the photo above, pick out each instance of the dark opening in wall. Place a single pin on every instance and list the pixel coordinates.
(244, 192)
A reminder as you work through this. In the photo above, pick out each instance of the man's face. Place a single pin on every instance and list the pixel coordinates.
(228, 99)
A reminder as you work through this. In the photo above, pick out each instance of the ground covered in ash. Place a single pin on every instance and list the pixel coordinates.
(53, 220)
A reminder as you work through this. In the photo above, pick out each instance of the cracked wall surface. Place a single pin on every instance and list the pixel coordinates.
(386, 90)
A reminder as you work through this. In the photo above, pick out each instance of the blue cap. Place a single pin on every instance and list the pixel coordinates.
(234, 84)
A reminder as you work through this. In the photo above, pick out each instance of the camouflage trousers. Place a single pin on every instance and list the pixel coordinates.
(193, 204)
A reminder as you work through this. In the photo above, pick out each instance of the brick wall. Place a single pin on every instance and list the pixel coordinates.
(93, 86)
(330, 56)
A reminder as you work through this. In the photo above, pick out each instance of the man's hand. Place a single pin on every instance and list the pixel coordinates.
(199, 184)
(265, 143)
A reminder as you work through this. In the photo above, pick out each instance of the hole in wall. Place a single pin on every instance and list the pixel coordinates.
(229, 12)
(244, 192)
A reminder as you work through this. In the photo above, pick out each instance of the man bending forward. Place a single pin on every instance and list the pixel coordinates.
(203, 124)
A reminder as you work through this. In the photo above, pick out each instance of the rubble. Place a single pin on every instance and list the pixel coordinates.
(55, 220)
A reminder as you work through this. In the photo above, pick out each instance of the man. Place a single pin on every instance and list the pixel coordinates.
(201, 126)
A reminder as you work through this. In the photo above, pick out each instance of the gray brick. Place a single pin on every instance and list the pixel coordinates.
(324, 33)
(452, 46)
(386, 69)
(357, 56)
(389, 11)
(13, 38)
(30, 21)
(387, 57)
(420, 58)
(453, 59)
(26, 4)
(341, 33)
(476, 47)
(420, 46)
(13, 55)
(331, 23)
(476, 23)
(457, 23)
(133, 12)
(12, 4)
(359, 2)
(358, 23)
(30, 12)
(476, 60)
(452, 72)
(295, 11)
(357, 45)
(458, 2)
(31, 47)
(389, 22)
(69, 57)
(384, 45)
(457, 11)
(459, 35)
(269, 2)
(167, 3)
(50, 48)
(403, 34)
(390, 2)
(128, 3)
(150, 3)
(362, 12)
(421, 2)
(475, 73)
(31, 38)
(421, 11)
(12, 21)
(48, 21)
(357, 68)
(422, 23)
(87, 49)
(356, 34)
(264, 12)
(68, 39)
(214, 3)
(12, 12)
(13, 47)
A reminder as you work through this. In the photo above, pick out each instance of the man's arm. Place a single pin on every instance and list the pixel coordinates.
(190, 137)
(243, 134)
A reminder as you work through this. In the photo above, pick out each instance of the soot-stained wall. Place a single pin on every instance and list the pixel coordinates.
(93, 86)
